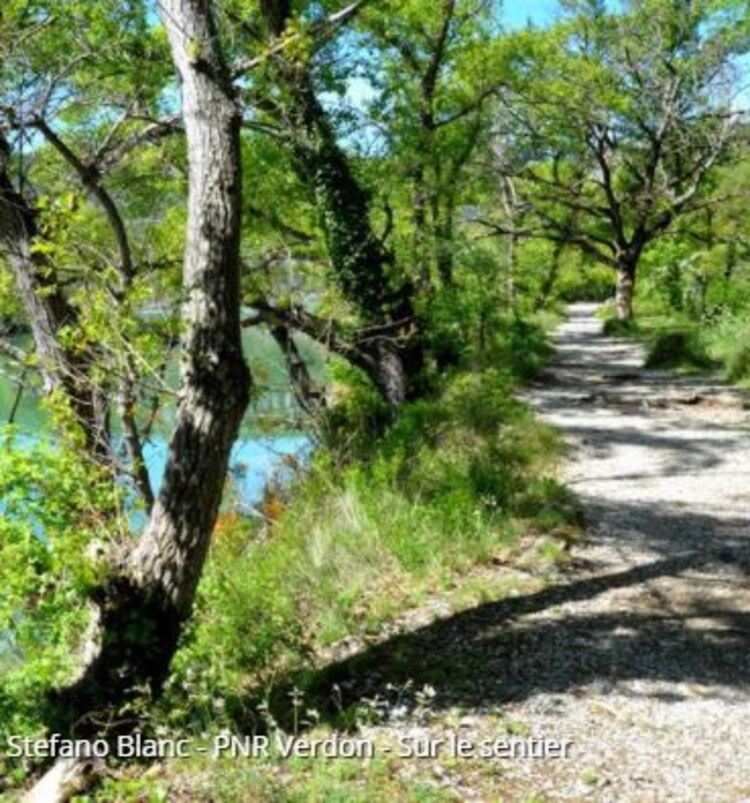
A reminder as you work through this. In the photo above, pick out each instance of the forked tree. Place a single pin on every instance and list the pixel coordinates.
(614, 122)
(151, 588)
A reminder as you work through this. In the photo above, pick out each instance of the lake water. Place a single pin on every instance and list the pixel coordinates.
(270, 432)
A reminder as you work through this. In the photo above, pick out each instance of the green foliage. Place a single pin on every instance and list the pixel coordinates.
(614, 327)
(590, 95)
(451, 482)
(679, 349)
(523, 349)
(11, 311)
(53, 508)
(585, 282)
(728, 341)
(475, 322)
(390, 510)
(694, 288)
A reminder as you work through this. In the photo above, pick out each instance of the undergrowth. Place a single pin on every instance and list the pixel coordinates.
(383, 515)
(373, 525)
(452, 483)
(678, 341)
(678, 349)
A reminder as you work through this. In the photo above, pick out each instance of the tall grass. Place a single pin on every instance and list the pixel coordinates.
(449, 485)
(691, 318)
(729, 342)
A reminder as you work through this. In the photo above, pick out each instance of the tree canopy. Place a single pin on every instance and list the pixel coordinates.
(400, 188)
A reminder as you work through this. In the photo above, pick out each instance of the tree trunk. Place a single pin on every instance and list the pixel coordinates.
(49, 312)
(363, 267)
(730, 261)
(310, 396)
(625, 290)
(141, 609)
(215, 378)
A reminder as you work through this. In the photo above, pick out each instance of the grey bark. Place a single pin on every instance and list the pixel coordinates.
(625, 290)
(141, 609)
(310, 396)
(215, 378)
(49, 311)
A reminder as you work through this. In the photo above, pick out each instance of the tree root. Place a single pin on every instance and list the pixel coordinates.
(65, 778)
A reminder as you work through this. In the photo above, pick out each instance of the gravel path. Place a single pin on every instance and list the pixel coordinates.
(639, 652)
(647, 666)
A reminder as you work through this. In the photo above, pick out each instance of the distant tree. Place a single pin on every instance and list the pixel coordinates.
(615, 121)
(435, 69)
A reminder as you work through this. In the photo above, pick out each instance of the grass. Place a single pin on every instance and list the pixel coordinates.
(426, 508)
(614, 327)
(729, 342)
(382, 779)
(680, 349)
(673, 342)
(405, 765)
(452, 485)
(385, 518)
(689, 342)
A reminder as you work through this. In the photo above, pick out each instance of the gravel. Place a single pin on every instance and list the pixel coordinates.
(638, 650)
(649, 675)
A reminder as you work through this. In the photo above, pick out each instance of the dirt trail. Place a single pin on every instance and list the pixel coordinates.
(639, 652)
(650, 673)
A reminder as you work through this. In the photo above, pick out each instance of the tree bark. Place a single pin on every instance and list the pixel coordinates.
(625, 290)
(49, 311)
(392, 366)
(141, 609)
(363, 267)
(310, 396)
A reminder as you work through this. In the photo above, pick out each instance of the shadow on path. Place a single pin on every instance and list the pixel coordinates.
(542, 642)
(657, 599)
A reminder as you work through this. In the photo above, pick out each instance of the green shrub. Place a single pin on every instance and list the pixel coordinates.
(445, 487)
(729, 342)
(51, 509)
(614, 327)
(523, 347)
(738, 361)
(680, 349)
(585, 282)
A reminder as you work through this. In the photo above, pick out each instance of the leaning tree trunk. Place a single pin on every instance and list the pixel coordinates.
(362, 265)
(625, 290)
(141, 609)
(49, 311)
(310, 396)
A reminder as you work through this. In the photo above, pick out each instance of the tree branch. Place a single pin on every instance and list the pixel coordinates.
(320, 27)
